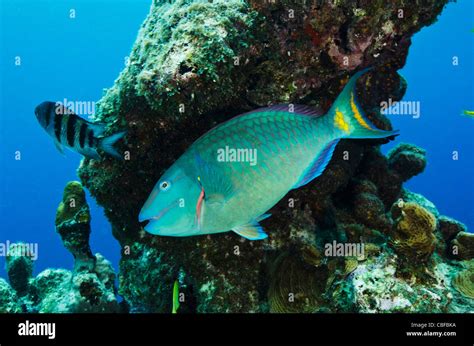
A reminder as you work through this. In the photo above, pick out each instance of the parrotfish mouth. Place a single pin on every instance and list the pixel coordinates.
(143, 217)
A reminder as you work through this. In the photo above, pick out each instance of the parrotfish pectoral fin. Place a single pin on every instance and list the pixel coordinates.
(107, 144)
(318, 166)
(253, 230)
(215, 200)
(213, 181)
(350, 117)
(59, 146)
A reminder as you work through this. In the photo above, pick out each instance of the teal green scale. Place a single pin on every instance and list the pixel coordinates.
(206, 192)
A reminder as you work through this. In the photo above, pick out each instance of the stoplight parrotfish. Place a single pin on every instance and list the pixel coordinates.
(203, 194)
(77, 134)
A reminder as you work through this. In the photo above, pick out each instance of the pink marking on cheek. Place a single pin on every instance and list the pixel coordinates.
(199, 207)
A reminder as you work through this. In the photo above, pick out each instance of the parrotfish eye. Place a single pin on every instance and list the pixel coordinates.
(165, 185)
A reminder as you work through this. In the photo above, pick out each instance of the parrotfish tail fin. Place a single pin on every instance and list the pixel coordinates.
(107, 144)
(350, 118)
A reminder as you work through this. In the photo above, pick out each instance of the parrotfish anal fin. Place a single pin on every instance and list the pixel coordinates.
(213, 182)
(59, 146)
(318, 166)
(253, 230)
(97, 128)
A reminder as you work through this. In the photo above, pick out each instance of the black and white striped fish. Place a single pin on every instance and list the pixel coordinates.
(77, 134)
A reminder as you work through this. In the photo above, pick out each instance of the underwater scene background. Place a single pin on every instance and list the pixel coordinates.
(72, 50)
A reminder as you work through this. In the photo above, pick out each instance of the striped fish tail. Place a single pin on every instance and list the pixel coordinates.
(107, 144)
(350, 118)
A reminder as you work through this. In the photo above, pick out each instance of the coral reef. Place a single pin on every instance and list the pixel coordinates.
(59, 290)
(90, 287)
(63, 291)
(196, 64)
(73, 225)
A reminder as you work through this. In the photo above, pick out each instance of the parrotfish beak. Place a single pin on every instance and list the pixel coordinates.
(152, 227)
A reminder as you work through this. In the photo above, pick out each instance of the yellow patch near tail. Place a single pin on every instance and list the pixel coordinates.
(357, 114)
(339, 121)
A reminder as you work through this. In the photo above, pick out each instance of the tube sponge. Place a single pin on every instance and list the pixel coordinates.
(73, 225)
(19, 269)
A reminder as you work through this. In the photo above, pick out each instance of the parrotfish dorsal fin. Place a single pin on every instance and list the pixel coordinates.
(318, 166)
(290, 108)
(212, 181)
(253, 230)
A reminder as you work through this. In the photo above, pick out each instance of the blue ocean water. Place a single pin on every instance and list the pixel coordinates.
(75, 58)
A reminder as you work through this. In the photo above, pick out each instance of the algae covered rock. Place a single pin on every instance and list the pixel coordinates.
(62, 291)
(146, 280)
(8, 299)
(407, 160)
(377, 289)
(73, 225)
(409, 196)
(449, 227)
(462, 247)
(19, 267)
